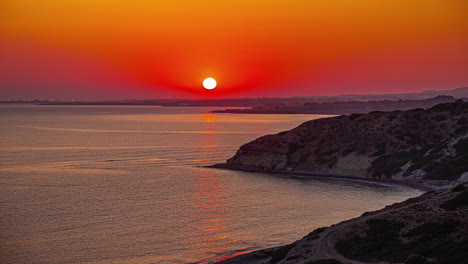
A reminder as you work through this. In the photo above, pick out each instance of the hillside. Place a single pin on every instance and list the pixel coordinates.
(432, 228)
(415, 144)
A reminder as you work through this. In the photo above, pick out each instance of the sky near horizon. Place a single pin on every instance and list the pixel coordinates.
(110, 49)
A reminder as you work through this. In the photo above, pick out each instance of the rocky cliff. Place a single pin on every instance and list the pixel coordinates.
(432, 228)
(419, 144)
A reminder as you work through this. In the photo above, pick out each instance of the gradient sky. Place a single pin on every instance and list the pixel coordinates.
(111, 49)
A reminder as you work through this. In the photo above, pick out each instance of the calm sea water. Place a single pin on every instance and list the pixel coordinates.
(108, 184)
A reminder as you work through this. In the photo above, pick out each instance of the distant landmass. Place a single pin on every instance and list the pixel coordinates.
(457, 93)
(264, 102)
(342, 107)
(428, 144)
(429, 229)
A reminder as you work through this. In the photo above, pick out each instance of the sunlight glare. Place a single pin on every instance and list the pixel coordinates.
(209, 83)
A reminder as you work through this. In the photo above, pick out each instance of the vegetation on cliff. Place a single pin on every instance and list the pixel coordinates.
(420, 143)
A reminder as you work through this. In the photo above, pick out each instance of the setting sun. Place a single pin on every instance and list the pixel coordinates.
(184, 131)
(209, 83)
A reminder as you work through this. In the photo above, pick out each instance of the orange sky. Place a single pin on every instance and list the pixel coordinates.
(89, 49)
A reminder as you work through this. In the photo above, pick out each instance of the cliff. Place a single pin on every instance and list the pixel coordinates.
(414, 144)
(431, 228)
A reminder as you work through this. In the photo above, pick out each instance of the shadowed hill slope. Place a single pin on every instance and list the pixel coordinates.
(415, 144)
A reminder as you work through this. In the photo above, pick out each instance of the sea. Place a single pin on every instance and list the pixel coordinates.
(129, 184)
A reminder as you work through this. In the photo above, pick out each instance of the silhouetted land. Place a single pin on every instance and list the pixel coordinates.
(341, 108)
(286, 105)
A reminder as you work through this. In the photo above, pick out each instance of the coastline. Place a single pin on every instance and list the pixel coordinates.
(253, 256)
(422, 185)
(338, 243)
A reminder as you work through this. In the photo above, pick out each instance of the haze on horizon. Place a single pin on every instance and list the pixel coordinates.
(103, 49)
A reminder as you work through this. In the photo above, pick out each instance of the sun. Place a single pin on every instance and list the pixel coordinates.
(209, 83)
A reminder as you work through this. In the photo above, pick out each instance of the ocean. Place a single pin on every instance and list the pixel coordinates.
(127, 184)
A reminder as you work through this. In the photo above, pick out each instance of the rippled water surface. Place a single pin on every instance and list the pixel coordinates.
(123, 184)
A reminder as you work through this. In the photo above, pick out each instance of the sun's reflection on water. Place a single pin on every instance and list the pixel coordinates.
(211, 221)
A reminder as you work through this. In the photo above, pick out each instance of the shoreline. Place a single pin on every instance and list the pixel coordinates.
(249, 256)
(414, 184)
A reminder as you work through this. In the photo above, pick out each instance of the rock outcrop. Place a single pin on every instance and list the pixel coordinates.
(415, 144)
(431, 228)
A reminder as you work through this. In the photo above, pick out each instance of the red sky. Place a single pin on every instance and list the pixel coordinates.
(104, 49)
